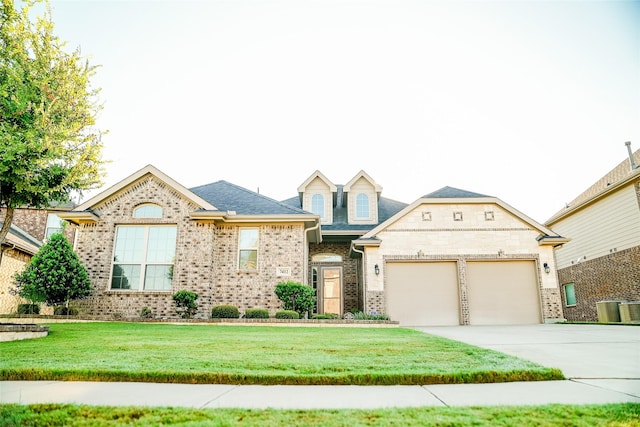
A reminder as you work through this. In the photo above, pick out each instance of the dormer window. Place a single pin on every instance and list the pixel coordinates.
(362, 206)
(317, 205)
(147, 211)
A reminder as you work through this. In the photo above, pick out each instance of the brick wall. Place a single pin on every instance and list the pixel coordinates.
(612, 277)
(205, 262)
(13, 261)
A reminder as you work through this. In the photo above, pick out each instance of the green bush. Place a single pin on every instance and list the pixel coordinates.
(287, 314)
(185, 302)
(29, 309)
(325, 316)
(225, 312)
(256, 313)
(146, 313)
(61, 310)
(296, 297)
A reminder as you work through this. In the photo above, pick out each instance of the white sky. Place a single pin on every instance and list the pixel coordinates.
(528, 101)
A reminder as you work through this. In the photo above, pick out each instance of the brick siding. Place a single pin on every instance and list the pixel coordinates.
(205, 262)
(612, 277)
(34, 222)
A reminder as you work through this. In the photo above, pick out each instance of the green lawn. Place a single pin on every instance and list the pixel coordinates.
(623, 414)
(218, 354)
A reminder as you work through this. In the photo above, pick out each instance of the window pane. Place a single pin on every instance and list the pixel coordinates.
(248, 260)
(570, 294)
(161, 246)
(362, 206)
(317, 205)
(125, 276)
(147, 211)
(249, 238)
(158, 277)
(129, 244)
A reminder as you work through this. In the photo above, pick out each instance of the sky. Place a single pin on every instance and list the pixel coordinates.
(527, 101)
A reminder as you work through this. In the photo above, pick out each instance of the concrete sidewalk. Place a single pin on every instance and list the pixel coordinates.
(319, 397)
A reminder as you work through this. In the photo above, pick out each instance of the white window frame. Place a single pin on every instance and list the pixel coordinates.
(363, 210)
(50, 226)
(142, 206)
(143, 262)
(314, 205)
(248, 248)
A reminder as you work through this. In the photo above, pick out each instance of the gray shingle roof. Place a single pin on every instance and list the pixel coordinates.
(230, 197)
(452, 193)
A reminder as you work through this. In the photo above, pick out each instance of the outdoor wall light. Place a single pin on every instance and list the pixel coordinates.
(376, 269)
(547, 269)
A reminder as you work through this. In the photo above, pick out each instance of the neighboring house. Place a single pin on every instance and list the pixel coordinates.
(41, 223)
(602, 261)
(456, 257)
(18, 248)
(452, 257)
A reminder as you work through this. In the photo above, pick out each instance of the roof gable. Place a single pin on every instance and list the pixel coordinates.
(362, 174)
(317, 174)
(145, 171)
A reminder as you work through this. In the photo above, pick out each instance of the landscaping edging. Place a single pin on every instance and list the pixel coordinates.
(13, 331)
(29, 318)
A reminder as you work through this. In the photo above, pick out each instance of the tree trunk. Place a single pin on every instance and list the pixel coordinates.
(8, 219)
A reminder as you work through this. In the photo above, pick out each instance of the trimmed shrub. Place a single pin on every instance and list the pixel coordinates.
(146, 313)
(61, 310)
(29, 309)
(185, 302)
(225, 312)
(296, 297)
(325, 316)
(256, 313)
(287, 314)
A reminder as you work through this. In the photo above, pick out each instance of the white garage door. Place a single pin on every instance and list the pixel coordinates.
(503, 293)
(422, 293)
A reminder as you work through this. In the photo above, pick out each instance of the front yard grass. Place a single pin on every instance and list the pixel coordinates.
(620, 414)
(208, 354)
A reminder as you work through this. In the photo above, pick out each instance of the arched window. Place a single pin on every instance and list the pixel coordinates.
(317, 205)
(326, 258)
(147, 211)
(362, 206)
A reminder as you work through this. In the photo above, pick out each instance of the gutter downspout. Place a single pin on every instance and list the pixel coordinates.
(364, 278)
(305, 273)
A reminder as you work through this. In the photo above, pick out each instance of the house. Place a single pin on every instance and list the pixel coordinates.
(602, 261)
(451, 257)
(17, 250)
(41, 223)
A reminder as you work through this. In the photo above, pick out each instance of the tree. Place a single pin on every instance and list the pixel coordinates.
(296, 297)
(49, 145)
(54, 275)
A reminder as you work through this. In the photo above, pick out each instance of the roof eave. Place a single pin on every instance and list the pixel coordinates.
(79, 217)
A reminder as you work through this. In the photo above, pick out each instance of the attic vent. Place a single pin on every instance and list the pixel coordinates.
(426, 216)
(488, 216)
(457, 216)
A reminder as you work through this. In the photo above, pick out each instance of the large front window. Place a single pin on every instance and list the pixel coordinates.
(143, 257)
(248, 249)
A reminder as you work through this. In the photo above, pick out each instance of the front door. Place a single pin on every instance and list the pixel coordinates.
(331, 290)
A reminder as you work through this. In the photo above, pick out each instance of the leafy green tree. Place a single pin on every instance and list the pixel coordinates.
(54, 275)
(49, 145)
(296, 297)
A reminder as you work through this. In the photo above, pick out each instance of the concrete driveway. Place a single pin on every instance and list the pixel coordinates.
(580, 351)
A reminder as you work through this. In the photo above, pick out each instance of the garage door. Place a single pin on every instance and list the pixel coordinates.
(503, 293)
(422, 293)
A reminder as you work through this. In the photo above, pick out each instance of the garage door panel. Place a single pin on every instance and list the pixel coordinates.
(503, 293)
(420, 293)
